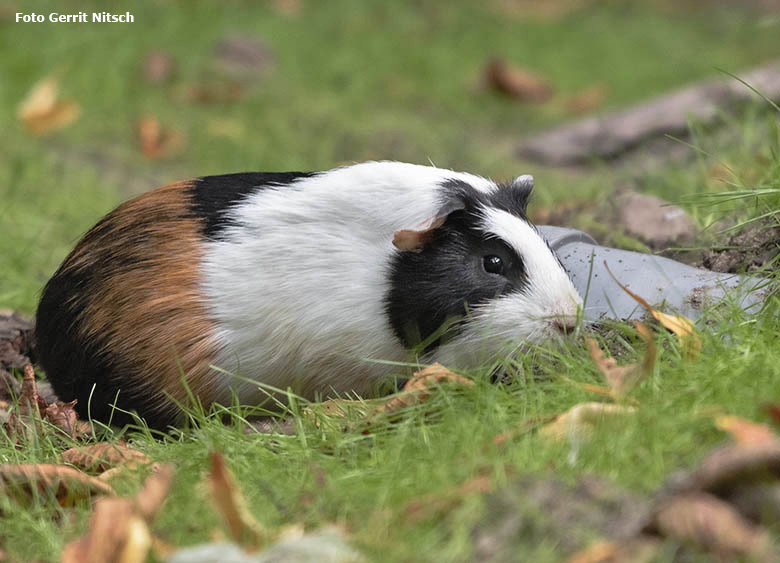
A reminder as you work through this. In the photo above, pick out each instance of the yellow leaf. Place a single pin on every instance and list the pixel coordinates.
(622, 379)
(582, 418)
(41, 112)
(682, 326)
(745, 432)
(229, 502)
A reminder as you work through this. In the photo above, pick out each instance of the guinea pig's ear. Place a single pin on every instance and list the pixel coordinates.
(414, 240)
(522, 186)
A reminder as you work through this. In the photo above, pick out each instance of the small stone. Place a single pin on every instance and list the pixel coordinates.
(654, 221)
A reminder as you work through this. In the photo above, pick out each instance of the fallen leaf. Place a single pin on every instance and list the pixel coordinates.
(64, 417)
(580, 419)
(289, 8)
(41, 112)
(418, 389)
(119, 527)
(421, 385)
(682, 326)
(746, 432)
(630, 550)
(229, 502)
(103, 456)
(773, 410)
(66, 484)
(621, 379)
(159, 67)
(589, 99)
(733, 466)
(713, 524)
(517, 83)
(155, 141)
(115, 534)
(26, 421)
(151, 497)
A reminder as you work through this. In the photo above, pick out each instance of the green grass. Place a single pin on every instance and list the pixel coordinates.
(362, 80)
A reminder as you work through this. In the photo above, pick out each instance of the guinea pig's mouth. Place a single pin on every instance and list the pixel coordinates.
(564, 324)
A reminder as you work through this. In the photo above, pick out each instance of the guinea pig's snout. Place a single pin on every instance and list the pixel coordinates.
(564, 324)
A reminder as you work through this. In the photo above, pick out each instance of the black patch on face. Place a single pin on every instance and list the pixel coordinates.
(447, 278)
(214, 196)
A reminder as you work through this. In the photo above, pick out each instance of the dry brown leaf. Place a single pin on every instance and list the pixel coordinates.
(515, 82)
(63, 416)
(110, 474)
(713, 524)
(289, 8)
(41, 112)
(151, 497)
(621, 379)
(229, 502)
(65, 483)
(419, 388)
(155, 140)
(580, 419)
(746, 432)
(115, 533)
(589, 99)
(100, 457)
(159, 67)
(682, 326)
(773, 410)
(26, 420)
(119, 527)
(632, 550)
(30, 403)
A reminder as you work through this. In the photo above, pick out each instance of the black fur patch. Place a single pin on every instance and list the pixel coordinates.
(439, 285)
(80, 368)
(213, 196)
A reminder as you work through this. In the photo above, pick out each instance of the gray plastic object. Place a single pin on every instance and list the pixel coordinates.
(664, 283)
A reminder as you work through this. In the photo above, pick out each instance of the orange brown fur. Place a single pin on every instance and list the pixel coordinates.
(146, 255)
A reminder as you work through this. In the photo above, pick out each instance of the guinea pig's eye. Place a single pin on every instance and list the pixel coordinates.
(493, 264)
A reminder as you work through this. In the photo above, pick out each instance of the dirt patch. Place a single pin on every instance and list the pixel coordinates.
(754, 249)
(16, 350)
(533, 511)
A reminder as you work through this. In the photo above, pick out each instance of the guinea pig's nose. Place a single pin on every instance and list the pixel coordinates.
(565, 325)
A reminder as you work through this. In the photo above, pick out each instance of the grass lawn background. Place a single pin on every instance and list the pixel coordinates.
(366, 80)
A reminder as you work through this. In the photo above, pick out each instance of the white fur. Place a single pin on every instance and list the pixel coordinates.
(297, 285)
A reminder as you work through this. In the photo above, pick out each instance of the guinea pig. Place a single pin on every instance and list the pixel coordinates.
(223, 286)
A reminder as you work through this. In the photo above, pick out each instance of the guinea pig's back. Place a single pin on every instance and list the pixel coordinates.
(123, 319)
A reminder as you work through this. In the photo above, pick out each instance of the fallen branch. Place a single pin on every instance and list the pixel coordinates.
(608, 136)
